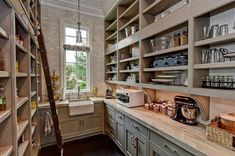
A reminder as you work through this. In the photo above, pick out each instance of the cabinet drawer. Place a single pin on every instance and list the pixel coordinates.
(109, 122)
(136, 126)
(110, 131)
(168, 146)
(109, 113)
(119, 117)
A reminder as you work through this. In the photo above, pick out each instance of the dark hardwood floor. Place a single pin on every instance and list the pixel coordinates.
(99, 145)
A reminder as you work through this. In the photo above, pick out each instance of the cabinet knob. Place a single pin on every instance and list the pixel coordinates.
(134, 125)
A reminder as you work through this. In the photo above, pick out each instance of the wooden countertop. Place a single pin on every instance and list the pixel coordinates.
(192, 138)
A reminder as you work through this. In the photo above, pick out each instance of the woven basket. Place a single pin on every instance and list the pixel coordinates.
(220, 136)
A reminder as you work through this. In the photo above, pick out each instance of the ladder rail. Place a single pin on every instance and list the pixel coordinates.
(46, 69)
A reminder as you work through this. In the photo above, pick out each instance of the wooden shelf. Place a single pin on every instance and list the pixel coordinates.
(3, 34)
(129, 59)
(4, 115)
(159, 6)
(6, 150)
(166, 51)
(129, 71)
(166, 68)
(112, 36)
(215, 65)
(19, 74)
(22, 101)
(33, 93)
(217, 93)
(111, 63)
(111, 15)
(112, 26)
(33, 111)
(21, 128)
(124, 83)
(33, 75)
(4, 74)
(129, 22)
(181, 89)
(19, 46)
(33, 127)
(177, 18)
(22, 148)
(217, 40)
(131, 11)
(111, 49)
(111, 72)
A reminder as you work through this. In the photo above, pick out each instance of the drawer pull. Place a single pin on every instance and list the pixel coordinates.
(132, 140)
(119, 116)
(134, 125)
(169, 148)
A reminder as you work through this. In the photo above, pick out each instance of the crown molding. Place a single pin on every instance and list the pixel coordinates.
(90, 8)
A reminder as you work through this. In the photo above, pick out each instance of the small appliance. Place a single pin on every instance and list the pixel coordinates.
(186, 110)
(130, 97)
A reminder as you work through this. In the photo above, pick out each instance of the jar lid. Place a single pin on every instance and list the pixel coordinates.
(228, 116)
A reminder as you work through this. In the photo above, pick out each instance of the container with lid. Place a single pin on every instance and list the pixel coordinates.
(227, 121)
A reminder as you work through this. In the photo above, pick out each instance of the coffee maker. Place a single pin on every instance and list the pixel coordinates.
(186, 110)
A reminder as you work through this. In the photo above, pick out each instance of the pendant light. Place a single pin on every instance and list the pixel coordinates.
(79, 34)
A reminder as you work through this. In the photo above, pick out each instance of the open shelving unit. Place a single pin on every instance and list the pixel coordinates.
(20, 78)
(159, 18)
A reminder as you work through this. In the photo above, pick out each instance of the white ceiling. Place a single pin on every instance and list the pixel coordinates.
(96, 8)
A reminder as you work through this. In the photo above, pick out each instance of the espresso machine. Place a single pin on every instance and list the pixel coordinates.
(186, 110)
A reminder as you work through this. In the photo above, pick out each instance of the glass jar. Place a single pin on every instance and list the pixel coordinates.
(1, 63)
(177, 39)
(184, 37)
(208, 81)
(2, 99)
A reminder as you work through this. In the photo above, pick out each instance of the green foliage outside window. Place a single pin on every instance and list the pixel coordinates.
(76, 72)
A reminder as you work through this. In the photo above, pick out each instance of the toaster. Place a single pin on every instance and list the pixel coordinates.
(130, 97)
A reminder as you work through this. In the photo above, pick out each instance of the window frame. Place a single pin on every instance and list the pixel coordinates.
(63, 59)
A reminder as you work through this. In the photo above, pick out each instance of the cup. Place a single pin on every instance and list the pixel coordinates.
(223, 30)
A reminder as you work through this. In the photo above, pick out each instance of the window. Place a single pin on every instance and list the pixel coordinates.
(77, 62)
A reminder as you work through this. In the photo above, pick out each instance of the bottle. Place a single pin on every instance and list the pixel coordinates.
(184, 37)
(2, 99)
(176, 39)
(17, 66)
(1, 63)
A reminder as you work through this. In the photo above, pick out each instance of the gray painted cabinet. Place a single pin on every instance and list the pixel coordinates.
(135, 145)
(119, 129)
(137, 140)
(156, 151)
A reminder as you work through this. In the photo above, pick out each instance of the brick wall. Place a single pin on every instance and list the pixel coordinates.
(51, 18)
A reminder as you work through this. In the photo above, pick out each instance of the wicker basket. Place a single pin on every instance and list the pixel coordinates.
(220, 136)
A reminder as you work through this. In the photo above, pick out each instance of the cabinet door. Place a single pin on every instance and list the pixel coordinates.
(156, 150)
(129, 142)
(119, 134)
(70, 128)
(141, 146)
(91, 124)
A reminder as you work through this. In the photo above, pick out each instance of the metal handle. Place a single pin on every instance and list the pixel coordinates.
(134, 125)
(119, 116)
(132, 140)
(171, 149)
(136, 145)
